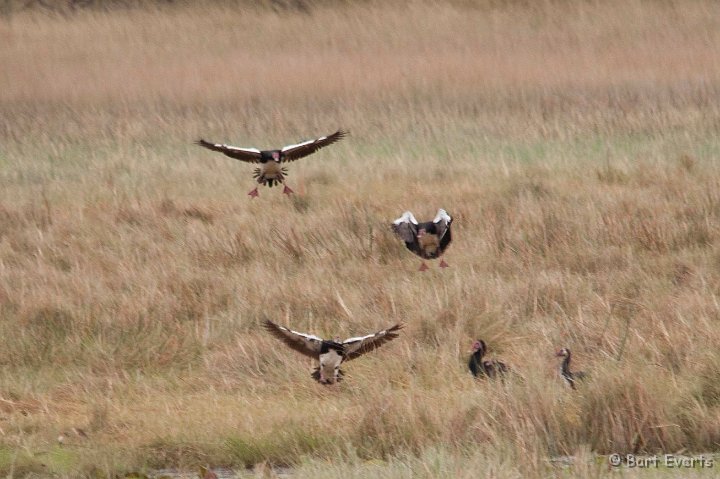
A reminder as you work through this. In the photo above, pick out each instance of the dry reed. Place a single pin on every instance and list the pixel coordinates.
(575, 143)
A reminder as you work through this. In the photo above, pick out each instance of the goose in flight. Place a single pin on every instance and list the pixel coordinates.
(569, 376)
(270, 170)
(480, 368)
(331, 352)
(427, 240)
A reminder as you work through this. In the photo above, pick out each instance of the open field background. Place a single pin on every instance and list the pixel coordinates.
(576, 144)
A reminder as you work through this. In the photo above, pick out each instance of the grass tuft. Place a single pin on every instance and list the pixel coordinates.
(135, 272)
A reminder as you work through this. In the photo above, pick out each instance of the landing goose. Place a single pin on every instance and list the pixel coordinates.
(331, 353)
(270, 172)
(569, 376)
(427, 240)
(480, 368)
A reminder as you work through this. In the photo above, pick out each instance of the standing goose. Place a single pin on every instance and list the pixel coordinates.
(427, 240)
(331, 353)
(480, 368)
(569, 376)
(270, 171)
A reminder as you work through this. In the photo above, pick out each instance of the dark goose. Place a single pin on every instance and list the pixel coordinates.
(570, 377)
(479, 368)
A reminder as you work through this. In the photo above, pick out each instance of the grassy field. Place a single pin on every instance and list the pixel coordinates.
(576, 144)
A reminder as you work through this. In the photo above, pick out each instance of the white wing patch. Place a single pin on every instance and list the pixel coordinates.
(359, 338)
(306, 344)
(357, 346)
(405, 227)
(237, 148)
(309, 142)
(442, 216)
(354, 344)
(406, 217)
(308, 337)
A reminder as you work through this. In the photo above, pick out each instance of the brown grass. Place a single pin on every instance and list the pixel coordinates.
(575, 144)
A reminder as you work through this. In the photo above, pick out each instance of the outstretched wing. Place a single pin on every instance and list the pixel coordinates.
(443, 221)
(251, 155)
(306, 344)
(355, 347)
(406, 227)
(294, 152)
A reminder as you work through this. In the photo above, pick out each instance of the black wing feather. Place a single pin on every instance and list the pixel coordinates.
(371, 342)
(250, 155)
(295, 152)
(300, 342)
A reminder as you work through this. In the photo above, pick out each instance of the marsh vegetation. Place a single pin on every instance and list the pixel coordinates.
(576, 145)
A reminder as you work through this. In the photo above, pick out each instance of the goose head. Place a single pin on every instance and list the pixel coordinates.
(427, 229)
(563, 353)
(479, 346)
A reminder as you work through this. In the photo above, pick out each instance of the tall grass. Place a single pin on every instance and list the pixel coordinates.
(575, 144)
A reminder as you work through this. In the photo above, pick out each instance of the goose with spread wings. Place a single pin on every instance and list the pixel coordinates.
(429, 240)
(331, 353)
(271, 171)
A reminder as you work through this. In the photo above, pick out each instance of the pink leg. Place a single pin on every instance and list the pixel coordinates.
(443, 264)
(254, 193)
(423, 267)
(287, 190)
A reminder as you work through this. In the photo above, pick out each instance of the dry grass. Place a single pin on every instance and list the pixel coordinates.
(576, 145)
